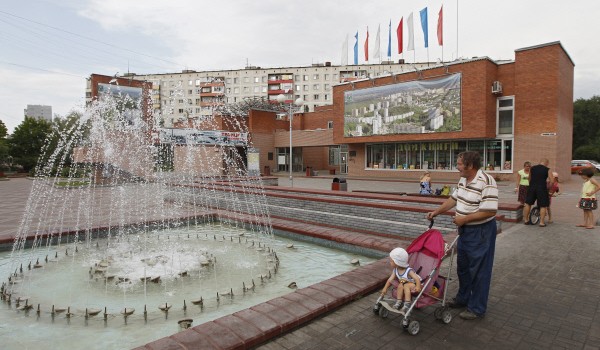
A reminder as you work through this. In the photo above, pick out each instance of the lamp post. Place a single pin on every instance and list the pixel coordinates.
(291, 108)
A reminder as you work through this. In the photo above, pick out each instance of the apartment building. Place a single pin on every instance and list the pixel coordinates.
(39, 112)
(193, 95)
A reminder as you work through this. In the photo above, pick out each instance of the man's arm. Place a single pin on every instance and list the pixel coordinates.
(478, 216)
(444, 207)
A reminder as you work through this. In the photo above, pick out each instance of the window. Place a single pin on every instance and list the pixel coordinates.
(315, 86)
(246, 80)
(236, 80)
(326, 76)
(316, 97)
(257, 89)
(505, 115)
(197, 82)
(190, 82)
(327, 87)
(330, 124)
(236, 90)
(493, 155)
(326, 97)
(315, 77)
(246, 89)
(257, 79)
(305, 87)
(297, 87)
(305, 77)
(375, 156)
(264, 89)
(296, 77)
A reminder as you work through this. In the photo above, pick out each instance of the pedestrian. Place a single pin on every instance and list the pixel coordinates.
(553, 190)
(539, 175)
(588, 202)
(523, 182)
(425, 183)
(476, 202)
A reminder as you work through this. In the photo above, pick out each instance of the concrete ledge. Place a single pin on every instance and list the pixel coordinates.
(253, 326)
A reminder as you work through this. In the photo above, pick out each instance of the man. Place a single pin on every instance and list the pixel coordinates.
(476, 201)
(539, 176)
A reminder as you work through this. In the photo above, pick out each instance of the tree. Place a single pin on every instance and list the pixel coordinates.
(27, 141)
(3, 147)
(3, 130)
(586, 128)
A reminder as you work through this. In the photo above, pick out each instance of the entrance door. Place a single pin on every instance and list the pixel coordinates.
(344, 163)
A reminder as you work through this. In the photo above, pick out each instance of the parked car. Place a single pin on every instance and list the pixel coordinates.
(577, 165)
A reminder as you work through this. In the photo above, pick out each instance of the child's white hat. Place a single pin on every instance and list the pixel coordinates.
(400, 257)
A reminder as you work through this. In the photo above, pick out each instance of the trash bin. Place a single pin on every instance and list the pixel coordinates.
(308, 171)
(339, 184)
(267, 171)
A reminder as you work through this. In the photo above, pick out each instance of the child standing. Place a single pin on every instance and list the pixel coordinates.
(408, 280)
(552, 192)
(588, 197)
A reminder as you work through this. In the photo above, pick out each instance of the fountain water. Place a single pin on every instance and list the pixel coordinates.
(122, 229)
(108, 204)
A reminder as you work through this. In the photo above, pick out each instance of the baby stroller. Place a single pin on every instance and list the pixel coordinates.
(426, 254)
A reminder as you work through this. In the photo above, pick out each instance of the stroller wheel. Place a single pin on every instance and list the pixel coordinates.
(446, 316)
(376, 308)
(413, 327)
(383, 312)
(438, 313)
(534, 216)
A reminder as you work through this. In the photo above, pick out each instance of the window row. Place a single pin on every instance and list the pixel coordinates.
(438, 155)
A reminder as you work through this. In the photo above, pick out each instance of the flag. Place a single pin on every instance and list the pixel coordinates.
(440, 27)
(411, 33)
(356, 49)
(377, 53)
(345, 52)
(367, 46)
(423, 13)
(389, 52)
(399, 35)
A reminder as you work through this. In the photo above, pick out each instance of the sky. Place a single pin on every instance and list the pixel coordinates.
(49, 47)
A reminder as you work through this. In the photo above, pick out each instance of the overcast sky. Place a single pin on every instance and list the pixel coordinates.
(49, 47)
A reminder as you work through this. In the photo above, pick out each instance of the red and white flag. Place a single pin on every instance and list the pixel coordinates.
(367, 46)
(440, 27)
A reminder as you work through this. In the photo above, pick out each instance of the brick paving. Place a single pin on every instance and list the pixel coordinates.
(544, 294)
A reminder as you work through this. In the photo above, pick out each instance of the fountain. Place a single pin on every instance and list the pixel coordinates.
(127, 228)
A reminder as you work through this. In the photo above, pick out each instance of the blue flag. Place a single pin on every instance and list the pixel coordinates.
(356, 49)
(423, 13)
(390, 40)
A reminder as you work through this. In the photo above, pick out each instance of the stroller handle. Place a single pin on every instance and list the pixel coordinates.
(431, 223)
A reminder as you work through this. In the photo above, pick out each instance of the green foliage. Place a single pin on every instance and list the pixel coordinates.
(586, 128)
(3, 130)
(4, 161)
(27, 141)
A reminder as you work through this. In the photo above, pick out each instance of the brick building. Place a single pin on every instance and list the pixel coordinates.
(510, 111)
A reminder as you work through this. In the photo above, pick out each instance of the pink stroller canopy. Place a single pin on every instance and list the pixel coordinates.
(430, 243)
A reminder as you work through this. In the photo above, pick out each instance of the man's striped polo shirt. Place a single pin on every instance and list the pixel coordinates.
(481, 194)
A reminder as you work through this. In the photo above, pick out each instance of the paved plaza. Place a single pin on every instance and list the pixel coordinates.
(544, 291)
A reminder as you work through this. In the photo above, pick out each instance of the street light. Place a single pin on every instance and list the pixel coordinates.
(292, 107)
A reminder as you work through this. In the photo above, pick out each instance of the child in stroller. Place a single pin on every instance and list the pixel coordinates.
(408, 280)
(423, 258)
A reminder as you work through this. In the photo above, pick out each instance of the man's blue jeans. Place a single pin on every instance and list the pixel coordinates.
(475, 259)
